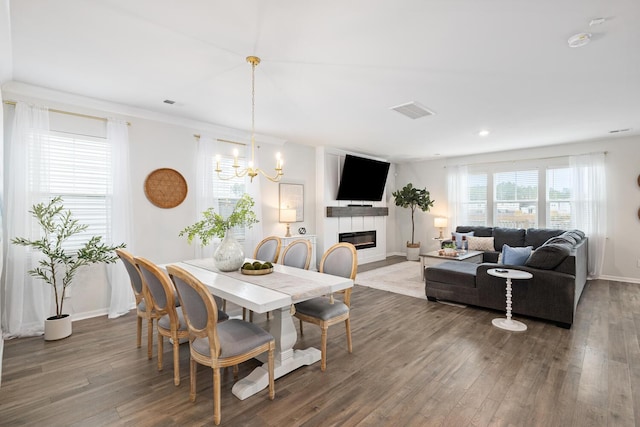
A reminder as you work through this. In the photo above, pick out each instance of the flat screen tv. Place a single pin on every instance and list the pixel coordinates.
(362, 179)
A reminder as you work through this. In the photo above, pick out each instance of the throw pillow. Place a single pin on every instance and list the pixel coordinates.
(570, 237)
(458, 237)
(515, 256)
(480, 243)
(562, 239)
(548, 257)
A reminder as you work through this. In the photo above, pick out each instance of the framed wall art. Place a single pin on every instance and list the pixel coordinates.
(292, 197)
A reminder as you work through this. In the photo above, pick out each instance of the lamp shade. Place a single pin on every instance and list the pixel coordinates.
(440, 222)
(287, 215)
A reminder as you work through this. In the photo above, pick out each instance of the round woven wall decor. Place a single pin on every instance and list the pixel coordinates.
(165, 188)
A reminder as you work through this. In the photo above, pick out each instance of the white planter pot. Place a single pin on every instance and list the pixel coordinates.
(413, 252)
(229, 255)
(57, 328)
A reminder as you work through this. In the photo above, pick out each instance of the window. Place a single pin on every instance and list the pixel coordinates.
(559, 198)
(516, 199)
(227, 192)
(78, 168)
(475, 208)
(515, 194)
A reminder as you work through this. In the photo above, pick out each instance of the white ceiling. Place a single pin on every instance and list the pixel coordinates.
(331, 70)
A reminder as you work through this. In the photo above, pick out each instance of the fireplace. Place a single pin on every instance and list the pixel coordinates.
(359, 239)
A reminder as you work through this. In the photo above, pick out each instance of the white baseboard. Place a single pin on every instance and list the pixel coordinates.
(620, 279)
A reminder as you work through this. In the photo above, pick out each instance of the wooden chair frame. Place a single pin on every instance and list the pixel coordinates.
(169, 309)
(140, 295)
(215, 362)
(324, 324)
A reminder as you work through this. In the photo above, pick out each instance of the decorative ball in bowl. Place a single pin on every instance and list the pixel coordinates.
(256, 268)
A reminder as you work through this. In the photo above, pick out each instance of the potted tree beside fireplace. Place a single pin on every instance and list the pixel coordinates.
(413, 198)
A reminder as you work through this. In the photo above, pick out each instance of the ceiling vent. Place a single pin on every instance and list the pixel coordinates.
(413, 110)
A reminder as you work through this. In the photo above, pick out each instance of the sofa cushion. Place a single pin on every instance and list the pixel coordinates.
(515, 256)
(458, 237)
(478, 231)
(458, 273)
(480, 243)
(536, 237)
(549, 256)
(508, 236)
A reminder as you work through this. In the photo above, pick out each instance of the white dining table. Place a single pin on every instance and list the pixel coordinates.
(276, 293)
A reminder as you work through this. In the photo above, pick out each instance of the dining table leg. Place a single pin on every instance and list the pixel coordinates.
(286, 358)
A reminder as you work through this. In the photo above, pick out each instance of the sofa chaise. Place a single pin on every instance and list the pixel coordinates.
(558, 263)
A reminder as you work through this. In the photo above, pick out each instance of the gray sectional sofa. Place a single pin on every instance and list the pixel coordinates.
(558, 263)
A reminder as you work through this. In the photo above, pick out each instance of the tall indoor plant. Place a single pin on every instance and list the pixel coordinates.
(229, 255)
(58, 265)
(413, 198)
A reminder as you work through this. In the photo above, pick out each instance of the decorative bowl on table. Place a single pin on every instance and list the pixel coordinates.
(256, 268)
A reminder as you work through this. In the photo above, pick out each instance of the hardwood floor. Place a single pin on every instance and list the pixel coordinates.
(414, 363)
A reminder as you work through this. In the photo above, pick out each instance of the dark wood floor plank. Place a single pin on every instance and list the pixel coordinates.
(414, 363)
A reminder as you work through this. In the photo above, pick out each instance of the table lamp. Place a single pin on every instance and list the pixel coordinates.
(440, 223)
(288, 216)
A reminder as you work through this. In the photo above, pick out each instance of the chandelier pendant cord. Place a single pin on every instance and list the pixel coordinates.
(251, 169)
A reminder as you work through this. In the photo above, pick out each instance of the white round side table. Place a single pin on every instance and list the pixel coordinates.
(509, 324)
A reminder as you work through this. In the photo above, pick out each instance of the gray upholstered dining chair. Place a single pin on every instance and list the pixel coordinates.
(340, 259)
(171, 323)
(297, 254)
(268, 249)
(144, 310)
(215, 344)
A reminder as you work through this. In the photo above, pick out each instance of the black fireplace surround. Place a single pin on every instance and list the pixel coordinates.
(359, 239)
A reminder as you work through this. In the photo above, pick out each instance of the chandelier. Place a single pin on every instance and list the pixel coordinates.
(251, 170)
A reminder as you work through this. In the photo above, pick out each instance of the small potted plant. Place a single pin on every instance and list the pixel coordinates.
(58, 265)
(449, 248)
(413, 198)
(229, 255)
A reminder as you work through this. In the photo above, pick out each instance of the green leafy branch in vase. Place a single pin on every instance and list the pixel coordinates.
(215, 225)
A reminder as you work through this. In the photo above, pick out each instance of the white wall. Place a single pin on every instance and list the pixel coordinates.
(622, 168)
(163, 141)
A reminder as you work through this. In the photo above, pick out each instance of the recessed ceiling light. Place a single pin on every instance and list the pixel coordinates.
(579, 40)
(484, 132)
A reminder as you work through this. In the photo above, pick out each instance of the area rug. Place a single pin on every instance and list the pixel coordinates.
(401, 278)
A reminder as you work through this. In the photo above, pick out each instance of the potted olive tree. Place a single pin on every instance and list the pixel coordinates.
(229, 255)
(58, 265)
(413, 198)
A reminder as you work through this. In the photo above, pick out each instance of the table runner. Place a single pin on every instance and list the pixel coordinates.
(297, 288)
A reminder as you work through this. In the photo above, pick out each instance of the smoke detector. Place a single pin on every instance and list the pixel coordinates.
(579, 40)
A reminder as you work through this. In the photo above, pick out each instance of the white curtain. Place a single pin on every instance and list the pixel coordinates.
(457, 189)
(590, 205)
(204, 187)
(120, 216)
(26, 300)
(1, 225)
